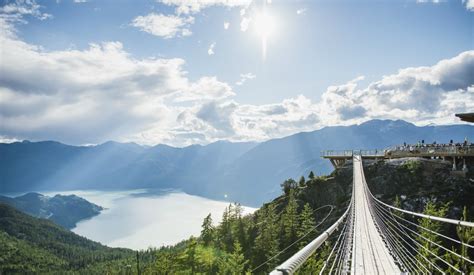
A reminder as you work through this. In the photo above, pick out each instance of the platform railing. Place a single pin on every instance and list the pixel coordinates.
(423, 150)
(337, 153)
(351, 153)
(431, 150)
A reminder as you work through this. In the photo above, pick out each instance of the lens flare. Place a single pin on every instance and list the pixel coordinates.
(265, 27)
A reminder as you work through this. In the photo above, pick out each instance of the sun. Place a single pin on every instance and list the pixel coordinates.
(265, 27)
(264, 23)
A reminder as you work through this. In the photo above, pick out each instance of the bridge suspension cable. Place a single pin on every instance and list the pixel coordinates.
(298, 259)
(407, 245)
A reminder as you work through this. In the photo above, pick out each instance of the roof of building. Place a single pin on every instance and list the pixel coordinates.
(469, 117)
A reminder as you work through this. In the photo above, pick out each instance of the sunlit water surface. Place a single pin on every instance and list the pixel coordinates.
(139, 219)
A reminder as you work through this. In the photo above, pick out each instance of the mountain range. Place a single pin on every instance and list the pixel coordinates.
(247, 172)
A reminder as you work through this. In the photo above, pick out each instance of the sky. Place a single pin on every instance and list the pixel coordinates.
(183, 72)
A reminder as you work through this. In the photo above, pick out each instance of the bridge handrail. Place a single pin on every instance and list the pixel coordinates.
(350, 153)
(329, 153)
(295, 261)
(435, 218)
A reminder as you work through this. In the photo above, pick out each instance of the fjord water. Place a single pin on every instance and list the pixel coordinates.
(139, 219)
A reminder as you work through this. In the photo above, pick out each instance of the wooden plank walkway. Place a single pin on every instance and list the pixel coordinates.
(369, 253)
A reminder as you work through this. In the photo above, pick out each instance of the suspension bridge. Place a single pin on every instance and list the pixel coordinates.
(376, 238)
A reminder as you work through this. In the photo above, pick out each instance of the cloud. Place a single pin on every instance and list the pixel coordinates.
(207, 88)
(429, 94)
(103, 92)
(17, 10)
(230, 120)
(166, 26)
(93, 95)
(422, 95)
(469, 5)
(301, 11)
(244, 23)
(219, 117)
(226, 25)
(195, 6)
(244, 78)
(210, 51)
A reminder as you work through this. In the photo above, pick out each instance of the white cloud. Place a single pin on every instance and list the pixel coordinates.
(93, 95)
(301, 11)
(210, 51)
(15, 11)
(226, 25)
(195, 6)
(80, 1)
(102, 92)
(207, 88)
(470, 5)
(230, 120)
(166, 26)
(244, 24)
(244, 78)
(420, 94)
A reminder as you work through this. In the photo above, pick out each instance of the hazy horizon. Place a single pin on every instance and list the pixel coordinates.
(9, 141)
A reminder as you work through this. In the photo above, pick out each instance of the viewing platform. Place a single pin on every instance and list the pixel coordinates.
(456, 153)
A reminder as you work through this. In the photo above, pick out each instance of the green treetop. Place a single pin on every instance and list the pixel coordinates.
(207, 232)
(307, 223)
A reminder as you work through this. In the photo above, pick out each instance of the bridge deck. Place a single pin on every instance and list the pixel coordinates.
(369, 253)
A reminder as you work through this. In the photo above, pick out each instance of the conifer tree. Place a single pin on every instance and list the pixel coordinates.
(302, 182)
(207, 232)
(289, 220)
(466, 236)
(235, 263)
(429, 238)
(225, 229)
(306, 224)
(206, 259)
(267, 241)
(311, 175)
(288, 185)
(166, 262)
(189, 257)
(398, 203)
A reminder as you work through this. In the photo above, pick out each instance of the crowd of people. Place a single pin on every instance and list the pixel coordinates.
(422, 145)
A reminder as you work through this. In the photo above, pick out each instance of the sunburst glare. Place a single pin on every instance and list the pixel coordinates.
(265, 27)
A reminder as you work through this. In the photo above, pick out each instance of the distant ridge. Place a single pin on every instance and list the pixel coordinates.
(245, 172)
(63, 210)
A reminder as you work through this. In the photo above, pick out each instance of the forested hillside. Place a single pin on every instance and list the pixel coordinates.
(31, 245)
(65, 210)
